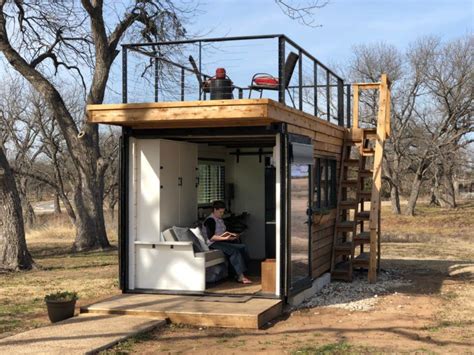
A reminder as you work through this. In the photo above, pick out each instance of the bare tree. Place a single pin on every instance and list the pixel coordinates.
(14, 254)
(444, 120)
(303, 11)
(40, 39)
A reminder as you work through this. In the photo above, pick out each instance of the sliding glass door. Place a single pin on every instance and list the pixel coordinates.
(301, 160)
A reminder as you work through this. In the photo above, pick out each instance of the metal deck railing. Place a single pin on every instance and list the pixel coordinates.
(162, 71)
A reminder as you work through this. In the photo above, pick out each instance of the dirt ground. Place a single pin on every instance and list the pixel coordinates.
(431, 312)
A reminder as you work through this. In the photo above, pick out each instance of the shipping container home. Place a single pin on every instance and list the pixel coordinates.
(285, 151)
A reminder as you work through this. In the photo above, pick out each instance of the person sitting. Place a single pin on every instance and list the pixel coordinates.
(219, 238)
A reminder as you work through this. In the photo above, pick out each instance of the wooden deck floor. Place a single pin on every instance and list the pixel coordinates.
(192, 310)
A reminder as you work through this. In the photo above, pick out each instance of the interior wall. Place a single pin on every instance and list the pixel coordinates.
(248, 177)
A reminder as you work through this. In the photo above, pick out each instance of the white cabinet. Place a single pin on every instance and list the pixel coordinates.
(162, 193)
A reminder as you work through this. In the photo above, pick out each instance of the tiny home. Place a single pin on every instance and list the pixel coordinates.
(299, 175)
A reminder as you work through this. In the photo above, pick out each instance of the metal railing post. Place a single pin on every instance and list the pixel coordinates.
(200, 70)
(300, 80)
(315, 74)
(156, 79)
(124, 75)
(328, 96)
(340, 102)
(182, 84)
(281, 69)
(348, 108)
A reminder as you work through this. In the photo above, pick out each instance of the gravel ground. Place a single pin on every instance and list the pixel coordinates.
(357, 295)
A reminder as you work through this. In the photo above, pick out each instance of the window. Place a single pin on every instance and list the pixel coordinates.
(324, 184)
(211, 182)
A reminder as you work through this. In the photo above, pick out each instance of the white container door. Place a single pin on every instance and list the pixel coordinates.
(169, 180)
(188, 180)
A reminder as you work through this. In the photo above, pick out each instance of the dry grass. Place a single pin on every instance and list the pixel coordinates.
(92, 275)
(434, 233)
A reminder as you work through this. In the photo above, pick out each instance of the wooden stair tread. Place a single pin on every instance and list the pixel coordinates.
(342, 271)
(363, 215)
(362, 238)
(351, 162)
(366, 173)
(345, 225)
(346, 246)
(368, 153)
(349, 183)
(348, 203)
(361, 260)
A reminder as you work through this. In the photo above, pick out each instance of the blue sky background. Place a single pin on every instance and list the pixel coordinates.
(344, 22)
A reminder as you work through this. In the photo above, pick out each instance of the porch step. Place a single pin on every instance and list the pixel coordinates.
(361, 260)
(362, 238)
(363, 216)
(346, 226)
(192, 310)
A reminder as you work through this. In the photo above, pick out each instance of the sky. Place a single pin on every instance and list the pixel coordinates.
(344, 23)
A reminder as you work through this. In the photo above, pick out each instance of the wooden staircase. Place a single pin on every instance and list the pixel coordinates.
(356, 242)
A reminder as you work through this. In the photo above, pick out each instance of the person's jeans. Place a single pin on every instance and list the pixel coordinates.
(237, 254)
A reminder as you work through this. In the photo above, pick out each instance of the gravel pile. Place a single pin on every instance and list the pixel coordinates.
(357, 295)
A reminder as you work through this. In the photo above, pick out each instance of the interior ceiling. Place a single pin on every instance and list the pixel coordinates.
(256, 141)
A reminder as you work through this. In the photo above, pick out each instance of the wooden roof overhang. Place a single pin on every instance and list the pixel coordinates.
(215, 113)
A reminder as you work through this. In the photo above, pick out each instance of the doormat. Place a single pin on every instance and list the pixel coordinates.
(225, 299)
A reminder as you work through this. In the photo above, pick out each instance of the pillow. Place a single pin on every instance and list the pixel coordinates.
(185, 235)
(169, 236)
(197, 232)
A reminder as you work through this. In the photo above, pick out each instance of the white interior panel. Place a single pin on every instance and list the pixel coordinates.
(188, 192)
(168, 185)
(148, 195)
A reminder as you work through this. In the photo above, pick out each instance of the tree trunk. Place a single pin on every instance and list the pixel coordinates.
(89, 203)
(57, 206)
(14, 253)
(415, 192)
(395, 199)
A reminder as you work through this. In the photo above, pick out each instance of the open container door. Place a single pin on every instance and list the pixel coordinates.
(298, 255)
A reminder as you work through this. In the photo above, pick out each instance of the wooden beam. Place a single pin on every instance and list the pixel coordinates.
(355, 106)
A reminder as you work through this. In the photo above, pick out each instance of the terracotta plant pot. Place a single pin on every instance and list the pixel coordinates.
(60, 310)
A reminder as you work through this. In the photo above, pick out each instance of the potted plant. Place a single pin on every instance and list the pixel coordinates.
(60, 305)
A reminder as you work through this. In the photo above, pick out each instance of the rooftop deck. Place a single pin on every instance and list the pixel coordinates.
(215, 113)
(173, 82)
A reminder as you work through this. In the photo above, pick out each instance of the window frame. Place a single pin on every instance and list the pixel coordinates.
(208, 162)
(328, 184)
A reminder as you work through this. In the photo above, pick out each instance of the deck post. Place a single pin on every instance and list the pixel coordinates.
(300, 80)
(328, 95)
(348, 109)
(315, 74)
(340, 102)
(281, 69)
(156, 79)
(124, 74)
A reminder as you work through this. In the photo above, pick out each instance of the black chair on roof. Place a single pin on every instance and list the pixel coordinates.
(264, 81)
(203, 84)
